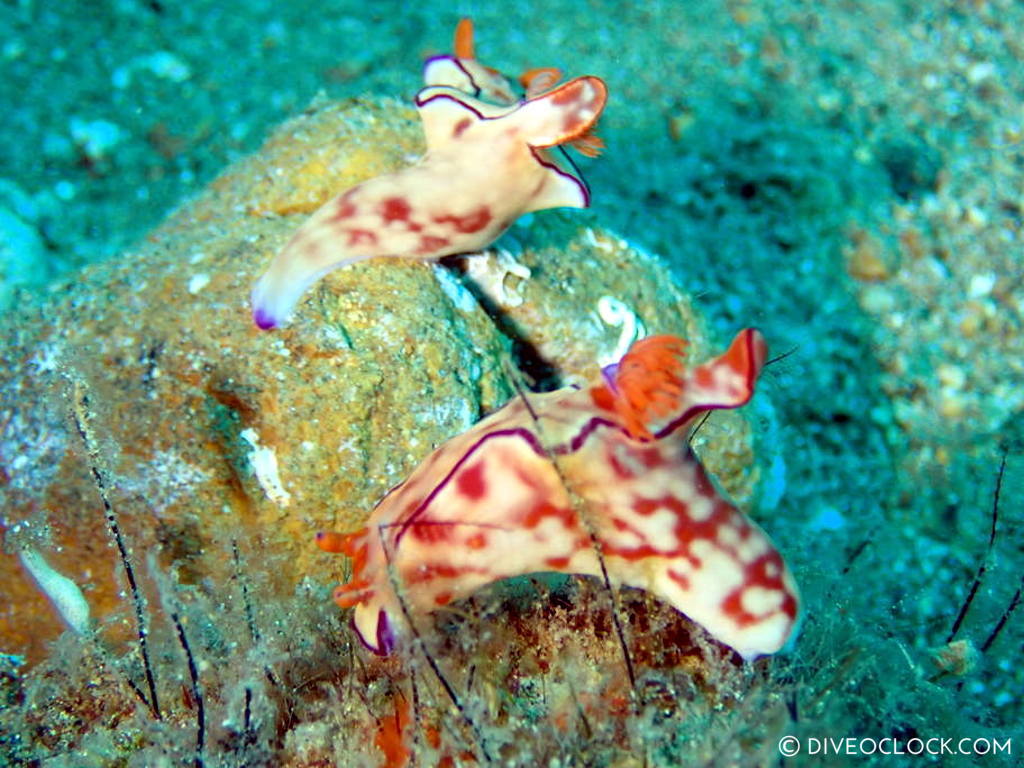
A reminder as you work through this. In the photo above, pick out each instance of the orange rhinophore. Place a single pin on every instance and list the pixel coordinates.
(462, 70)
(463, 45)
(523, 490)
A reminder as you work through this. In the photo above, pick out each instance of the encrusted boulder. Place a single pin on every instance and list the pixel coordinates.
(220, 447)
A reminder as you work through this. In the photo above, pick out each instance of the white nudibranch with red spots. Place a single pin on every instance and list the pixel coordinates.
(486, 165)
(522, 491)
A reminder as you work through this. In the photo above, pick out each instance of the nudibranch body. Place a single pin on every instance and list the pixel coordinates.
(523, 491)
(486, 165)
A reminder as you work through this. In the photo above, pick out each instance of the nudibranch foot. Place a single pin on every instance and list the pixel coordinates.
(528, 488)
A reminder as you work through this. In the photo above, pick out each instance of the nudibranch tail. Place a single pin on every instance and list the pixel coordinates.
(276, 293)
(501, 501)
(320, 246)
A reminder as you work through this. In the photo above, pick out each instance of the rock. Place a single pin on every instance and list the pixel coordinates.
(222, 445)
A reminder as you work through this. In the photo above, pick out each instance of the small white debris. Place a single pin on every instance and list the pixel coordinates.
(490, 271)
(65, 595)
(196, 283)
(239, 130)
(980, 71)
(45, 359)
(951, 376)
(463, 300)
(121, 78)
(264, 466)
(95, 138)
(981, 285)
(64, 190)
(162, 64)
(828, 519)
(615, 313)
(166, 66)
(602, 245)
(13, 49)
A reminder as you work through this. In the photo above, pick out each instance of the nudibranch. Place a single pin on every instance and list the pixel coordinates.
(485, 166)
(555, 481)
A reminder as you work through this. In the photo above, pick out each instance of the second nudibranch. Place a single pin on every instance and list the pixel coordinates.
(545, 483)
(485, 166)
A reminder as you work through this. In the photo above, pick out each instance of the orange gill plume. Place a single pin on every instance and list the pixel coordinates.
(647, 383)
(589, 144)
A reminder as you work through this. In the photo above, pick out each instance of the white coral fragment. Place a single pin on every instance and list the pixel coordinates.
(197, 282)
(604, 243)
(454, 290)
(617, 314)
(95, 138)
(264, 465)
(491, 270)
